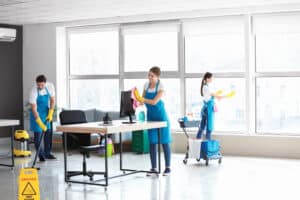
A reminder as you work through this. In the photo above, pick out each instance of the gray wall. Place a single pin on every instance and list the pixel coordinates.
(11, 81)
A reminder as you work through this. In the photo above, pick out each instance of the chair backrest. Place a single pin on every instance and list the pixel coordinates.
(75, 117)
(72, 117)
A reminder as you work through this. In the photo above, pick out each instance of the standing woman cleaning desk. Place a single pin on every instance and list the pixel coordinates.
(152, 94)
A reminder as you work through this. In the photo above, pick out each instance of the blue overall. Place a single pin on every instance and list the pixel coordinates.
(207, 119)
(42, 103)
(157, 112)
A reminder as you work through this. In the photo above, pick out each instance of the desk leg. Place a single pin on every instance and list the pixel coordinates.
(65, 156)
(159, 156)
(12, 147)
(106, 161)
(121, 151)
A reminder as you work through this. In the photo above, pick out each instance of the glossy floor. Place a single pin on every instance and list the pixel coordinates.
(237, 178)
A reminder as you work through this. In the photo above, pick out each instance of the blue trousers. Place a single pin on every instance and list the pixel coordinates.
(46, 150)
(203, 125)
(167, 154)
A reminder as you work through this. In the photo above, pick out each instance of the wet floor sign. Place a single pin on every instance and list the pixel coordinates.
(29, 185)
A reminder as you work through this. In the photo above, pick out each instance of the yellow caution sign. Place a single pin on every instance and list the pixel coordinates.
(29, 184)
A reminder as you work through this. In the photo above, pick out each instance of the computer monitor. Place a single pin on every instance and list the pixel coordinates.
(126, 106)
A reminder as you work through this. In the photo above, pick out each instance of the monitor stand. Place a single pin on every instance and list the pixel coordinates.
(130, 120)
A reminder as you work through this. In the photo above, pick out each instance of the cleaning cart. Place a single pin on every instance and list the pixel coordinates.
(196, 148)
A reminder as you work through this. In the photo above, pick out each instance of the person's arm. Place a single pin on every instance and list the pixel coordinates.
(156, 98)
(217, 96)
(34, 110)
(52, 103)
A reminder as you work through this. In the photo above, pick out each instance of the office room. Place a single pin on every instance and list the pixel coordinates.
(149, 100)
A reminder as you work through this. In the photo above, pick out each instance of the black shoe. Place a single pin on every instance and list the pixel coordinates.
(51, 157)
(152, 172)
(42, 159)
(167, 172)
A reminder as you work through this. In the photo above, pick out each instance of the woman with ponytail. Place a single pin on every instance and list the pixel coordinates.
(207, 111)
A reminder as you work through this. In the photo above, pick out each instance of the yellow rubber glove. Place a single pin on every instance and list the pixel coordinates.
(219, 92)
(138, 96)
(41, 124)
(50, 115)
(230, 94)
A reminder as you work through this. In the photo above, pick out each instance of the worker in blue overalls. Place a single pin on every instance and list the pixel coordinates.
(42, 101)
(208, 108)
(152, 98)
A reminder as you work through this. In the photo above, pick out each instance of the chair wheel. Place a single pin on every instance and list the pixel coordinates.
(220, 160)
(198, 159)
(206, 162)
(184, 161)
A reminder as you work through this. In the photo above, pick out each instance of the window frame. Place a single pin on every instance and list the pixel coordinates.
(250, 74)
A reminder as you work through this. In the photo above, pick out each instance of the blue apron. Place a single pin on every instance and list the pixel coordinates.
(42, 104)
(157, 113)
(207, 112)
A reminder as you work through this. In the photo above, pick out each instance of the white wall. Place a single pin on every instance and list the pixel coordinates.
(246, 145)
(40, 57)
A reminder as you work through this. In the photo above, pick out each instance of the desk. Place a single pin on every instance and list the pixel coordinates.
(116, 127)
(12, 124)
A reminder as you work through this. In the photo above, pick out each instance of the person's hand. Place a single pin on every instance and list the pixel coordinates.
(219, 92)
(41, 124)
(219, 97)
(137, 95)
(230, 94)
(50, 115)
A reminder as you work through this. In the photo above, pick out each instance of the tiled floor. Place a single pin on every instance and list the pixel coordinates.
(237, 178)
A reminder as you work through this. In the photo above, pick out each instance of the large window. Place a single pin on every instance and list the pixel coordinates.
(278, 105)
(101, 93)
(147, 46)
(277, 42)
(278, 73)
(278, 52)
(257, 56)
(94, 52)
(231, 111)
(215, 45)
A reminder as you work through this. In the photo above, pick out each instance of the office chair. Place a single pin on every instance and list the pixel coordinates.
(78, 141)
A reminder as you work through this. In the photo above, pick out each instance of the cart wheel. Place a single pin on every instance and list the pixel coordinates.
(91, 178)
(198, 159)
(184, 161)
(124, 172)
(220, 160)
(206, 161)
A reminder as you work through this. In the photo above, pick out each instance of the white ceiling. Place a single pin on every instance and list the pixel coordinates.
(46, 11)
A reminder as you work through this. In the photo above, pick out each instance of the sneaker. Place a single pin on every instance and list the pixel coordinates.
(51, 157)
(152, 172)
(42, 159)
(167, 172)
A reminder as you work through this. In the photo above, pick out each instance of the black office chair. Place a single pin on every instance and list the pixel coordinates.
(78, 141)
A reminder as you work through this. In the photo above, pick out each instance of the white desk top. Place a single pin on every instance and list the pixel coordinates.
(116, 127)
(9, 122)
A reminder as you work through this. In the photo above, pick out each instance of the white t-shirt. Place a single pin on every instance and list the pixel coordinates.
(34, 92)
(207, 91)
(152, 90)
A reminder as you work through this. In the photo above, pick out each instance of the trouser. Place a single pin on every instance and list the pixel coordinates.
(204, 123)
(46, 150)
(167, 154)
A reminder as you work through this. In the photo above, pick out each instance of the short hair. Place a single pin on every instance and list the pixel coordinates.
(41, 78)
(155, 70)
